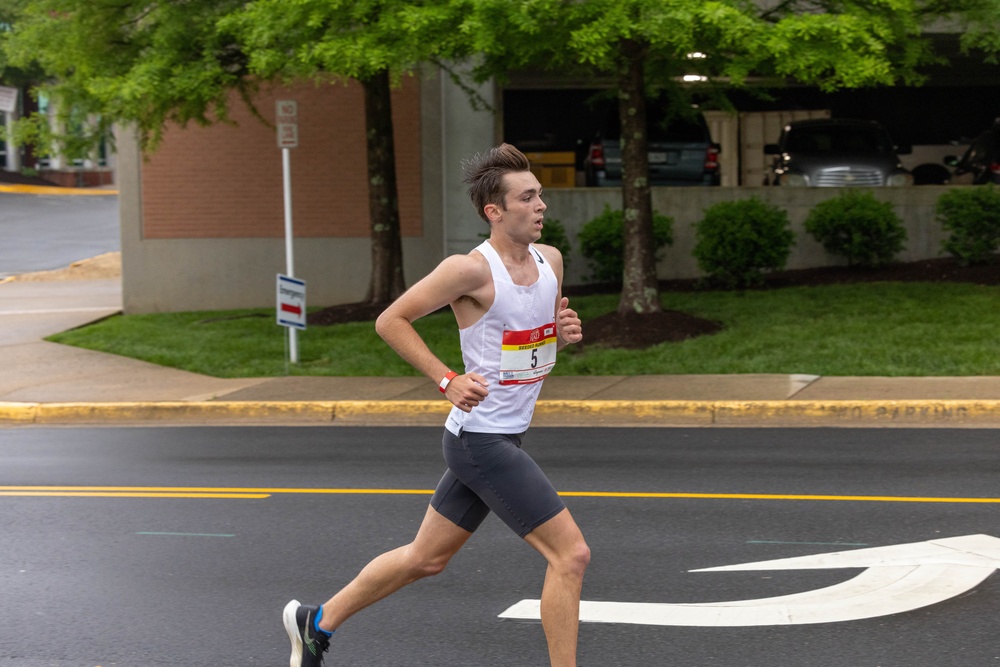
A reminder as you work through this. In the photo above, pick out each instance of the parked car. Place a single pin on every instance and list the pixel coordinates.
(982, 159)
(837, 152)
(680, 150)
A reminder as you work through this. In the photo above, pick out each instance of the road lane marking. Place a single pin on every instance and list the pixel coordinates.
(896, 578)
(87, 492)
(775, 496)
(157, 533)
(217, 492)
(811, 544)
(188, 491)
(58, 311)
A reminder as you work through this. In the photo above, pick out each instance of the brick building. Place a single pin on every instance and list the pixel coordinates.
(202, 216)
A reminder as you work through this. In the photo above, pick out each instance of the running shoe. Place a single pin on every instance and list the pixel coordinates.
(308, 646)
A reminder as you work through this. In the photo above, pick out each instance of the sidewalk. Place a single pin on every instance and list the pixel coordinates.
(47, 383)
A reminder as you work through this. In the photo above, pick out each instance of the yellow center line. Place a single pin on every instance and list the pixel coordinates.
(776, 496)
(129, 494)
(209, 492)
(257, 493)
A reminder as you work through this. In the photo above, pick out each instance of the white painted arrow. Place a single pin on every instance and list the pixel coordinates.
(897, 578)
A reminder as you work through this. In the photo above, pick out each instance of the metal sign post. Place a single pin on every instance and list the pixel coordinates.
(287, 119)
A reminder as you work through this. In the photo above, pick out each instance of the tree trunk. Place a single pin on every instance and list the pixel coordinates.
(383, 200)
(29, 105)
(640, 290)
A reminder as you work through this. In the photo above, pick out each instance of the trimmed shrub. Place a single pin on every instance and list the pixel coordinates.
(738, 241)
(554, 234)
(972, 215)
(858, 227)
(602, 242)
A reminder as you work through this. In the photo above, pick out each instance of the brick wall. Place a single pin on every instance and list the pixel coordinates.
(80, 178)
(225, 181)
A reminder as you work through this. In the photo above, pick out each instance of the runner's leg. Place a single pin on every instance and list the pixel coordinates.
(560, 541)
(512, 485)
(437, 540)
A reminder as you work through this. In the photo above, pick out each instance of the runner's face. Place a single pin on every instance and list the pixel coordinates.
(523, 206)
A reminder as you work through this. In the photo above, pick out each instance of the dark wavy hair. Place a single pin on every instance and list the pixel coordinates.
(484, 173)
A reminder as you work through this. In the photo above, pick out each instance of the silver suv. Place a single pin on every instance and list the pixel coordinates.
(837, 153)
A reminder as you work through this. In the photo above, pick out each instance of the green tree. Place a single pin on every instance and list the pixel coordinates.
(374, 42)
(23, 76)
(643, 47)
(131, 62)
(149, 64)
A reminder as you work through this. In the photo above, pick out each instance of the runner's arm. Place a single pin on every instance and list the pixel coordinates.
(455, 277)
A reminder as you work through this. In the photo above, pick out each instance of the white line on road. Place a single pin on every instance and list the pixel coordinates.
(56, 311)
(897, 578)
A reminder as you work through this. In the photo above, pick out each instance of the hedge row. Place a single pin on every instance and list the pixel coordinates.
(739, 242)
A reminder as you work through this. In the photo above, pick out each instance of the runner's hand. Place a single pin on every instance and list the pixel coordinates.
(466, 391)
(568, 324)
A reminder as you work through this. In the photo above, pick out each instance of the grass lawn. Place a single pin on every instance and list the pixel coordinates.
(889, 329)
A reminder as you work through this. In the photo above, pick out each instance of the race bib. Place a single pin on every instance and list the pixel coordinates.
(528, 356)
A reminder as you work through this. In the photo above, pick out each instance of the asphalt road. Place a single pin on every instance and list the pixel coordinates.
(245, 520)
(45, 232)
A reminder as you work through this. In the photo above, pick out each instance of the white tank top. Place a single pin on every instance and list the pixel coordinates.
(513, 345)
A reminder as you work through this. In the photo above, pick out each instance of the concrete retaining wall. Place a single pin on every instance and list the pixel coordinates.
(575, 207)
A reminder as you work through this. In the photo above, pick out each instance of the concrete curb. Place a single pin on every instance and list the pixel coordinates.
(843, 413)
(53, 190)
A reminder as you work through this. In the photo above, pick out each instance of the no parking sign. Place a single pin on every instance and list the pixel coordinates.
(287, 117)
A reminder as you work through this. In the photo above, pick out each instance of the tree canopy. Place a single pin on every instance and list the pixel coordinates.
(153, 63)
(138, 63)
(374, 42)
(645, 46)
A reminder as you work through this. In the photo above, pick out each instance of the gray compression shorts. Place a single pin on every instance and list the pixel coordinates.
(490, 471)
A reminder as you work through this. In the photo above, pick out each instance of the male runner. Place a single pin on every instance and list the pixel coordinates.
(507, 300)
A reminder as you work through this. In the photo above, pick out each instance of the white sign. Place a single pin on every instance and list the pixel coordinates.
(291, 302)
(287, 118)
(897, 578)
(8, 99)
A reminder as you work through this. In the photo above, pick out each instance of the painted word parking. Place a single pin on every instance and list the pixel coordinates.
(896, 578)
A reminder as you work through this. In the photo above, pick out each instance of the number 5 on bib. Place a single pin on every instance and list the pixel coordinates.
(528, 356)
